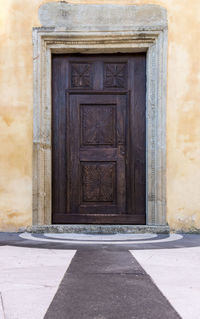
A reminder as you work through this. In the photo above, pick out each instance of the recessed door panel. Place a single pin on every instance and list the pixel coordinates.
(96, 167)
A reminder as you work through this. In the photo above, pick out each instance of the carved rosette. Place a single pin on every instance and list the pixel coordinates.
(81, 76)
(98, 182)
(98, 125)
(115, 75)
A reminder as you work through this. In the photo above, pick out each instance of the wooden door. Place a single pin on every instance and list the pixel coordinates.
(98, 139)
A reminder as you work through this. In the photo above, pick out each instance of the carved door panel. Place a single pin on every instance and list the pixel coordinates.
(98, 139)
(97, 153)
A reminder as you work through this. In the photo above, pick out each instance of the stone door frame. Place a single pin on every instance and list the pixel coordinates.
(152, 40)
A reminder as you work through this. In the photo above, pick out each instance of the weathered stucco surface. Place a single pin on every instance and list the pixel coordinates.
(17, 17)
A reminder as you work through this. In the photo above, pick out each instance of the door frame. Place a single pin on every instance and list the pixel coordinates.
(151, 39)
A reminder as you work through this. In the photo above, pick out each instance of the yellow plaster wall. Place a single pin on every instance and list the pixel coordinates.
(17, 17)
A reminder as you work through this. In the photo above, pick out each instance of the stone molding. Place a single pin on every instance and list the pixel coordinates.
(62, 35)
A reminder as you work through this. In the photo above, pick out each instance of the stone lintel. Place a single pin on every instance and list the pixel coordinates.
(103, 17)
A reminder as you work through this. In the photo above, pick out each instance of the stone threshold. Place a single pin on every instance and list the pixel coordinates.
(98, 229)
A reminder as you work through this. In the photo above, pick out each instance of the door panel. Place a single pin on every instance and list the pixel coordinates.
(98, 139)
(97, 157)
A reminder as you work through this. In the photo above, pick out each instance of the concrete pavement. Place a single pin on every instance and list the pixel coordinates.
(99, 276)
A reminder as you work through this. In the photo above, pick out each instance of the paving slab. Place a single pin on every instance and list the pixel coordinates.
(177, 274)
(29, 279)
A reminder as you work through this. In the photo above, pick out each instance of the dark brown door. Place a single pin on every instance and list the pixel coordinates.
(98, 139)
